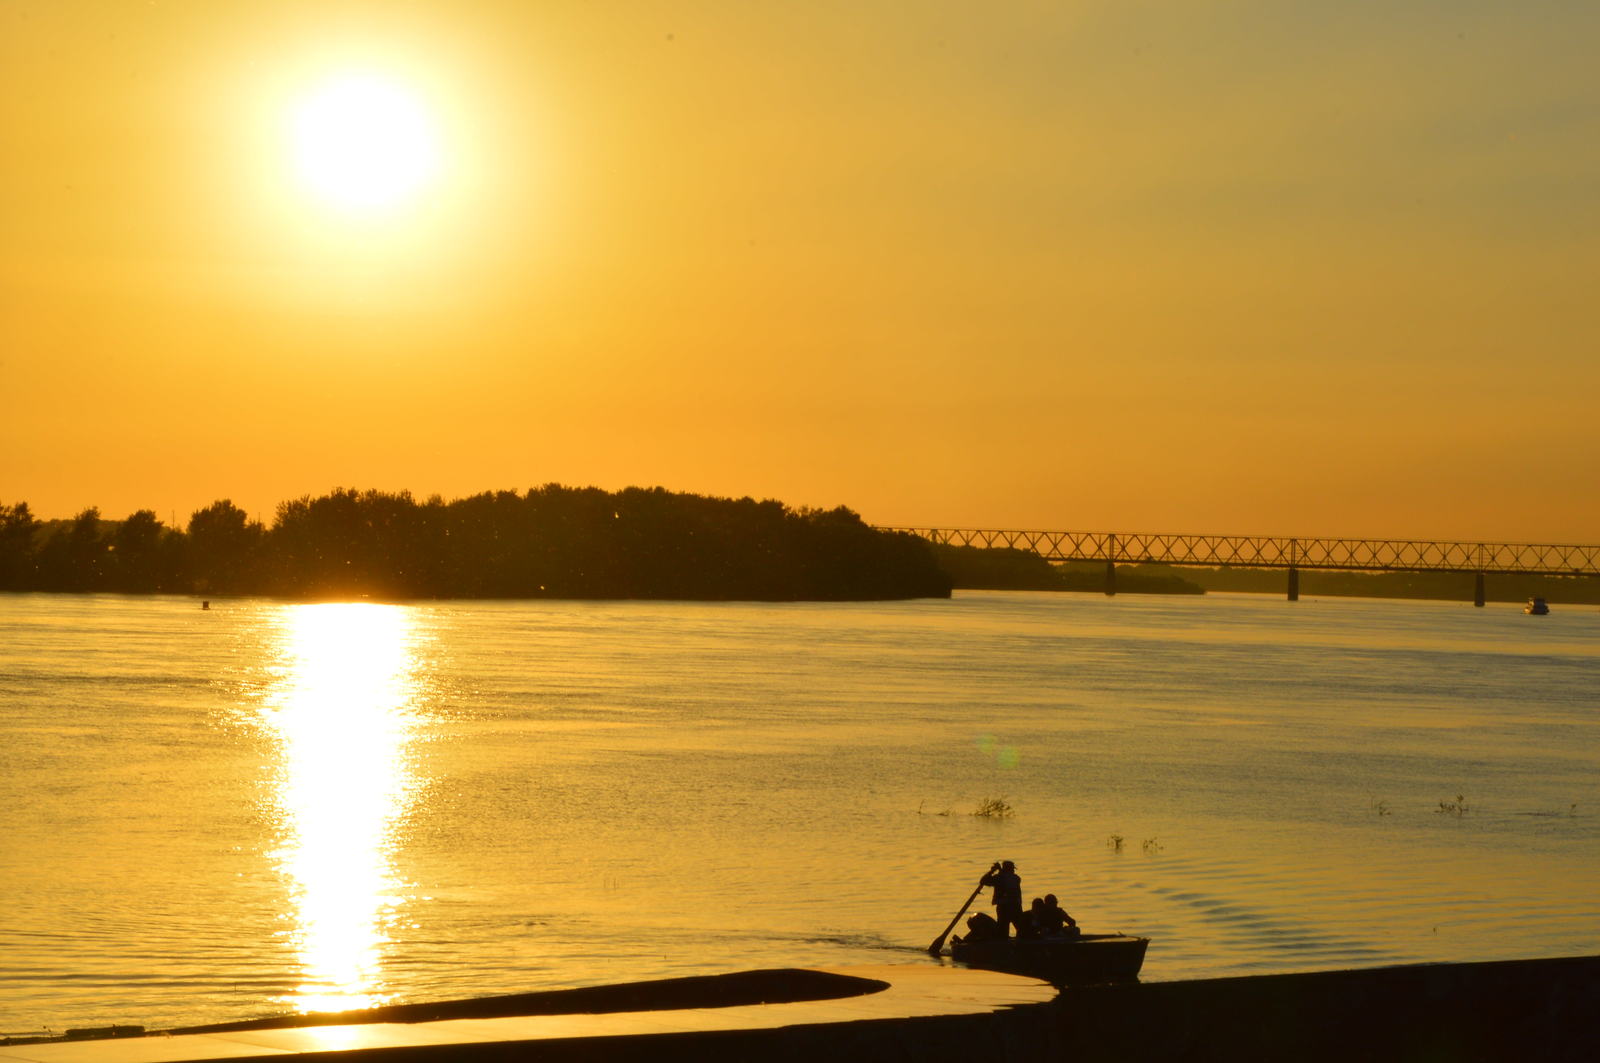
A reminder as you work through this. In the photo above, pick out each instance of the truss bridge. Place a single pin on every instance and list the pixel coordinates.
(1289, 553)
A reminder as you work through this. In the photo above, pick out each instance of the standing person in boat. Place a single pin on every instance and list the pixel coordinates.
(1007, 899)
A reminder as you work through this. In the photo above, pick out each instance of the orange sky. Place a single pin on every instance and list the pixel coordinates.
(1243, 266)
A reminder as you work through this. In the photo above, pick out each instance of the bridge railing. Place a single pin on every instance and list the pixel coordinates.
(1268, 551)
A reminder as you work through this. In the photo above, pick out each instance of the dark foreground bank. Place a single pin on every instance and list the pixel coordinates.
(1542, 1010)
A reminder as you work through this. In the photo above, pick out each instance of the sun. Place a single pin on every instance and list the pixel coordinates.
(363, 143)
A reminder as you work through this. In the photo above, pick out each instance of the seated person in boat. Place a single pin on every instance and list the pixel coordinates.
(1050, 920)
(982, 927)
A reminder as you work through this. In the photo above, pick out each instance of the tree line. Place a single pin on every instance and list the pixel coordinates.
(547, 542)
(1005, 568)
(1441, 586)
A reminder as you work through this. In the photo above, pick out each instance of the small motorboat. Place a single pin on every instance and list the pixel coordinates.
(1080, 960)
(1536, 607)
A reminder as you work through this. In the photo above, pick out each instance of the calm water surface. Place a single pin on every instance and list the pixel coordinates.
(273, 807)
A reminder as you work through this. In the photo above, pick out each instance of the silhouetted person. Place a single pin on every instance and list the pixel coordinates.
(1007, 898)
(1050, 919)
(982, 927)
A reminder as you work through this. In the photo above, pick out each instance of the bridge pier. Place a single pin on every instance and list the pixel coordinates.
(1294, 584)
(1477, 592)
(1111, 564)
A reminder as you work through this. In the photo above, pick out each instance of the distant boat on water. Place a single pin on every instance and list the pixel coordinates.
(1536, 607)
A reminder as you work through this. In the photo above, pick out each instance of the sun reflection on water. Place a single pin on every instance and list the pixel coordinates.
(343, 715)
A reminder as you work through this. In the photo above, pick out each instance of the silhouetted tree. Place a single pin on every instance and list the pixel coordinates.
(18, 533)
(346, 543)
(135, 558)
(73, 556)
(224, 549)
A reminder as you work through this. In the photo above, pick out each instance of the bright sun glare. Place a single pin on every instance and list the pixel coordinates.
(363, 143)
(342, 717)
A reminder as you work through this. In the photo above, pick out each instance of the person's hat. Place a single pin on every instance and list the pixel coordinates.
(1007, 864)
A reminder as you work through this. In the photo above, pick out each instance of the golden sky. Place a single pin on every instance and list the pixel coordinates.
(1232, 266)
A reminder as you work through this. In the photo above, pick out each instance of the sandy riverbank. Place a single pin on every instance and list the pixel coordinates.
(1505, 1011)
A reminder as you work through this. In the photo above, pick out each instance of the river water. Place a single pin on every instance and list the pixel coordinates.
(268, 807)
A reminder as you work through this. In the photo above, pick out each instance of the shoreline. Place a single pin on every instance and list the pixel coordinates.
(1489, 1011)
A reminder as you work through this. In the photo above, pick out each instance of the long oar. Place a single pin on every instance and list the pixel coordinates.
(938, 942)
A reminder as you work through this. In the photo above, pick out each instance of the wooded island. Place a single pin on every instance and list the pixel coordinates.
(548, 542)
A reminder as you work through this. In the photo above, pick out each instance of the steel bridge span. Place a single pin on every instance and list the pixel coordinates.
(1275, 551)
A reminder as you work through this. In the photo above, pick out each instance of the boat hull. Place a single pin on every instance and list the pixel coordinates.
(1082, 960)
